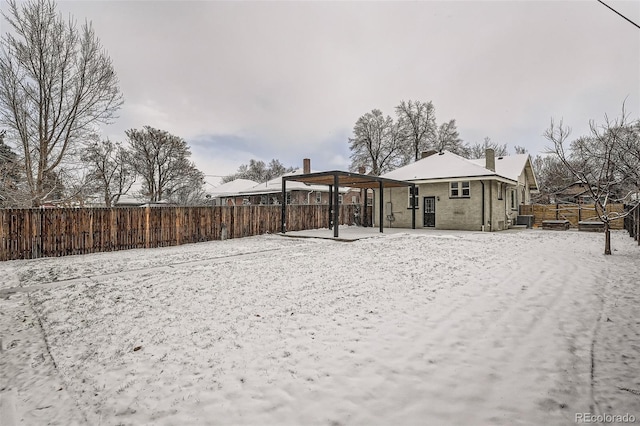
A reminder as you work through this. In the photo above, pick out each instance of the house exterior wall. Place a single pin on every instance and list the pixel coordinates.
(297, 197)
(498, 204)
(457, 213)
(451, 213)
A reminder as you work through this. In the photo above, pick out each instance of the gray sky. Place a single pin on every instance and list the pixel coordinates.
(288, 80)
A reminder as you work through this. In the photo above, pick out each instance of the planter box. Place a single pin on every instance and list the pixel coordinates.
(591, 226)
(557, 225)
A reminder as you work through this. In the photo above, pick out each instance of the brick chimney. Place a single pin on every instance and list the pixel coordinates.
(425, 154)
(306, 166)
(490, 159)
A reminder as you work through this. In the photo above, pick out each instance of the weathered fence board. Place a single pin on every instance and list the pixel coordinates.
(574, 213)
(34, 233)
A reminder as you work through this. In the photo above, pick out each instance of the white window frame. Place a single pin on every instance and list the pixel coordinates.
(413, 197)
(513, 199)
(318, 197)
(460, 189)
(340, 197)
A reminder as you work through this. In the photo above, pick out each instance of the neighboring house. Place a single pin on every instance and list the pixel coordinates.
(577, 193)
(127, 200)
(224, 195)
(456, 193)
(297, 192)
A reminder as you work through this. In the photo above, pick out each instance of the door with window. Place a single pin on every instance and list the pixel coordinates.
(429, 204)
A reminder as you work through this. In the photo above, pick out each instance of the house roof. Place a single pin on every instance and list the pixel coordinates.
(509, 166)
(447, 165)
(233, 187)
(275, 186)
(443, 165)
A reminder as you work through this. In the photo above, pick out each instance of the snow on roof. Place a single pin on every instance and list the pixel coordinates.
(275, 185)
(510, 166)
(126, 199)
(447, 165)
(233, 187)
(439, 166)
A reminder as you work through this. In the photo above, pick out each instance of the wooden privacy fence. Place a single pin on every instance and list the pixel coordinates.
(632, 221)
(574, 213)
(35, 233)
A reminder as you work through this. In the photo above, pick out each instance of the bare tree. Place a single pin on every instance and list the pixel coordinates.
(376, 143)
(110, 170)
(190, 191)
(478, 150)
(592, 160)
(449, 139)
(552, 176)
(520, 149)
(9, 175)
(258, 171)
(627, 159)
(162, 161)
(56, 84)
(417, 128)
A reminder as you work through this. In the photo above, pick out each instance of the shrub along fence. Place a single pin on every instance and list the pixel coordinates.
(574, 213)
(35, 233)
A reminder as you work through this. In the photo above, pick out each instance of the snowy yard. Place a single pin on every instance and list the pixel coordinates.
(429, 328)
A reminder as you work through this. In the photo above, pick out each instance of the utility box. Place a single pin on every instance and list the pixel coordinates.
(525, 220)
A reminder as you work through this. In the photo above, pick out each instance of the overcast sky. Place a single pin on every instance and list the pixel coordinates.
(288, 80)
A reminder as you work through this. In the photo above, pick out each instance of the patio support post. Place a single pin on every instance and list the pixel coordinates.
(415, 206)
(330, 206)
(363, 214)
(284, 207)
(381, 214)
(336, 207)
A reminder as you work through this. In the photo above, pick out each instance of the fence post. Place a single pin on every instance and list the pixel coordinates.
(114, 230)
(178, 227)
(147, 226)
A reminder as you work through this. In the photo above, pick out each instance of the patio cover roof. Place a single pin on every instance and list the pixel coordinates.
(347, 179)
(335, 179)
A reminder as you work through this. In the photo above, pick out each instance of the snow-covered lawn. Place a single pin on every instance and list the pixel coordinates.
(429, 328)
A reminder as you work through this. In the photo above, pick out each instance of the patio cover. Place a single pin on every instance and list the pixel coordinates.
(336, 179)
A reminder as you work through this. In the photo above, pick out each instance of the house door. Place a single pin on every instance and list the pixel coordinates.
(429, 204)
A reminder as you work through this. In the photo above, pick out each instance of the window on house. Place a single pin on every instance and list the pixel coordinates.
(355, 199)
(263, 199)
(460, 189)
(318, 197)
(513, 199)
(413, 198)
(466, 189)
(454, 189)
(288, 198)
(340, 199)
(500, 189)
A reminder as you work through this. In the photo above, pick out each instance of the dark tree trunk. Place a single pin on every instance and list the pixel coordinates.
(607, 238)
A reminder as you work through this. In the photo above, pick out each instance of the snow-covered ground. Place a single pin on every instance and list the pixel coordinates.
(411, 327)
